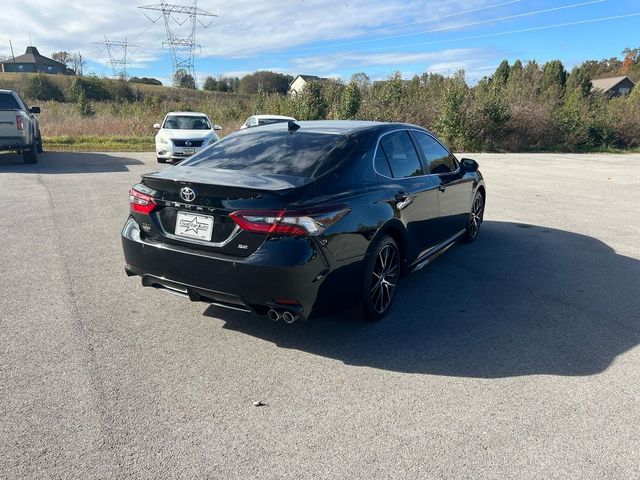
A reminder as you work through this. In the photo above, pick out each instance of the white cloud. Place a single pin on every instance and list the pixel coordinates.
(243, 29)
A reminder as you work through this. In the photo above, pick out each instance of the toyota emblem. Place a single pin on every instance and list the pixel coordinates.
(188, 143)
(187, 194)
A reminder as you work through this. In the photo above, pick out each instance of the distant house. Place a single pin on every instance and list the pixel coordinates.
(30, 62)
(301, 81)
(614, 86)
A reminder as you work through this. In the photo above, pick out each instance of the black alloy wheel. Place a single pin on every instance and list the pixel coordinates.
(475, 218)
(381, 279)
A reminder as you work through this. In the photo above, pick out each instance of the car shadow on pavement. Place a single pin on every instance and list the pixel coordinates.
(521, 300)
(68, 162)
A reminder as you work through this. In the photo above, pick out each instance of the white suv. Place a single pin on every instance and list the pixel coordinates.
(183, 134)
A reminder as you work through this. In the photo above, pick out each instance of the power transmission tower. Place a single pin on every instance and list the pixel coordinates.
(118, 55)
(183, 44)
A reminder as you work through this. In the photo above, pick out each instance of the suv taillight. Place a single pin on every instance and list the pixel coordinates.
(295, 223)
(141, 202)
(19, 123)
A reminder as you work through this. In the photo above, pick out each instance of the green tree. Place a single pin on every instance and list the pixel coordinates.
(351, 101)
(210, 84)
(84, 106)
(452, 122)
(554, 75)
(579, 80)
(313, 104)
(501, 75)
(183, 79)
(265, 81)
(145, 81)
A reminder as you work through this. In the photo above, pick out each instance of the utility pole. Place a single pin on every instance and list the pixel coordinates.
(117, 51)
(80, 64)
(12, 55)
(183, 44)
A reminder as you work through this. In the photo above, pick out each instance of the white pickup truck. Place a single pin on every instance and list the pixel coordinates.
(19, 129)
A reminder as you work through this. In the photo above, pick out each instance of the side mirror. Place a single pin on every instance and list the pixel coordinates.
(156, 126)
(217, 128)
(469, 165)
(34, 109)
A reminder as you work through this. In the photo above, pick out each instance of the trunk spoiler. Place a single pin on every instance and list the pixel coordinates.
(229, 178)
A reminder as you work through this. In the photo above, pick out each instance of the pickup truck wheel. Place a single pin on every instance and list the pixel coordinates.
(40, 149)
(31, 155)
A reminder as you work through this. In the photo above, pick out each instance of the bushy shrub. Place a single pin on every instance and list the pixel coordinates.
(93, 88)
(41, 87)
(120, 91)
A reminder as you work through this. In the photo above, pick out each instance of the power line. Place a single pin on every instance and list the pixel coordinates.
(118, 55)
(510, 32)
(182, 46)
(432, 19)
(451, 27)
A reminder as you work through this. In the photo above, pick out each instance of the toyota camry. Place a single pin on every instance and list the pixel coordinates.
(297, 219)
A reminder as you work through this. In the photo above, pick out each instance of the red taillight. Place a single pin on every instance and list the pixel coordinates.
(141, 202)
(19, 123)
(293, 223)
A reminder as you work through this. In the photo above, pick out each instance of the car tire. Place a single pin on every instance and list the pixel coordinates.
(40, 148)
(31, 156)
(162, 160)
(476, 216)
(382, 274)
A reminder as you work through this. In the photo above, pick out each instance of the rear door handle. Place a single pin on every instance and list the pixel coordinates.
(403, 200)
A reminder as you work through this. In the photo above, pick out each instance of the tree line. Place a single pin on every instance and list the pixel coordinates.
(520, 107)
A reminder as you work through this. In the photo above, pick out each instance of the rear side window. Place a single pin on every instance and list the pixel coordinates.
(300, 154)
(7, 102)
(401, 155)
(381, 163)
(438, 158)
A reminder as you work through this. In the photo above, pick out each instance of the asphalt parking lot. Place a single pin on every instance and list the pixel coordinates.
(514, 357)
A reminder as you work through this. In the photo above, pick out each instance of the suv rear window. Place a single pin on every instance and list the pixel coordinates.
(7, 102)
(299, 154)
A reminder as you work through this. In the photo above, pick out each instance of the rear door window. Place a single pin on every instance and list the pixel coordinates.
(401, 155)
(438, 158)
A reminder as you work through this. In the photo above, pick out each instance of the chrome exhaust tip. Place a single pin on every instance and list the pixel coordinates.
(273, 315)
(289, 317)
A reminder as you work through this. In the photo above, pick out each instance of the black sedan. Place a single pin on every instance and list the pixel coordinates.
(297, 219)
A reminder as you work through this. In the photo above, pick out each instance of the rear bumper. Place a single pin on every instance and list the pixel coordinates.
(13, 143)
(286, 274)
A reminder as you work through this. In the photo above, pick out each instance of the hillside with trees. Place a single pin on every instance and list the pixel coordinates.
(522, 106)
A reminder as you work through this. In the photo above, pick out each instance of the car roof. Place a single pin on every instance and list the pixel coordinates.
(340, 127)
(5, 91)
(279, 117)
(188, 114)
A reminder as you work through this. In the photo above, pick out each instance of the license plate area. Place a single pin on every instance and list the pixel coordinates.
(188, 151)
(194, 225)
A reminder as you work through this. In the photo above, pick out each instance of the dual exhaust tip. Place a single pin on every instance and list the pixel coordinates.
(286, 315)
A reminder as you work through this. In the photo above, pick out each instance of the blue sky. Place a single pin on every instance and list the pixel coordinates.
(338, 37)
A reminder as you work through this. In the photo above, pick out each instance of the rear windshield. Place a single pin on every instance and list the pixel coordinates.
(299, 154)
(7, 102)
(187, 122)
